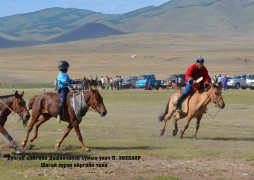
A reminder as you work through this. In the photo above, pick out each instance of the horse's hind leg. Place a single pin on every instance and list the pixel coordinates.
(167, 117)
(42, 119)
(68, 130)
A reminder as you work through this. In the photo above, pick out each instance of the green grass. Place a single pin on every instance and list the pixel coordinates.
(131, 127)
(26, 85)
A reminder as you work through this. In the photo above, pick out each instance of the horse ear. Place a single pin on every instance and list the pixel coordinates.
(16, 93)
(22, 94)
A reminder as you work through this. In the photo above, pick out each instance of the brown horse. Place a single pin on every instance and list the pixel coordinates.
(16, 104)
(45, 106)
(196, 108)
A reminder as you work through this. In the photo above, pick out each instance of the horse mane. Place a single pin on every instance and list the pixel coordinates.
(6, 96)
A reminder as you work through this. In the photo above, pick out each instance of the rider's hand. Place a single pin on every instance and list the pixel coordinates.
(206, 85)
(78, 81)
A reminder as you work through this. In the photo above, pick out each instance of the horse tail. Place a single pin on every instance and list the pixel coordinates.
(31, 101)
(161, 118)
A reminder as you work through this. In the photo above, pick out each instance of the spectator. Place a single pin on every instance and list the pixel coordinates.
(120, 82)
(220, 80)
(215, 79)
(108, 82)
(180, 82)
(167, 84)
(111, 83)
(102, 83)
(225, 82)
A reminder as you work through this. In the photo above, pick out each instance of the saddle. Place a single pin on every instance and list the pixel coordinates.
(185, 105)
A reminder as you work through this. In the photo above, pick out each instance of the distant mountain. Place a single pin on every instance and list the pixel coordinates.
(212, 17)
(6, 43)
(88, 31)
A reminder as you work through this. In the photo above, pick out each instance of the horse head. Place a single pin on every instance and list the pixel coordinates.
(96, 100)
(19, 107)
(216, 96)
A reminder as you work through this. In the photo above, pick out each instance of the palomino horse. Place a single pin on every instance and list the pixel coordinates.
(197, 107)
(45, 106)
(16, 104)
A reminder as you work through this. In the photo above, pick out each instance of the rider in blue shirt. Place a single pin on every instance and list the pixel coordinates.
(63, 82)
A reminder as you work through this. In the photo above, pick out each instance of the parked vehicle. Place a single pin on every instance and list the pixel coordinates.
(249, 79)
(129, 82)
(238, 81)
(146, 80)
(252, 85)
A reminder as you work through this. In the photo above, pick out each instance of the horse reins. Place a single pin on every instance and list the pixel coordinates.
(13, 111)
(216, 103)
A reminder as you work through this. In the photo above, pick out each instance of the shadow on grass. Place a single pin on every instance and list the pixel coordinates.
(128, 148)
(62, 152)
(220, 138)
(229, 139)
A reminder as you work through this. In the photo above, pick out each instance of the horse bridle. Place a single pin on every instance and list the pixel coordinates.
(19, 112)
(216, 100)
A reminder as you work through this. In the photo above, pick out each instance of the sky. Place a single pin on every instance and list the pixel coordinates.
(11, 7)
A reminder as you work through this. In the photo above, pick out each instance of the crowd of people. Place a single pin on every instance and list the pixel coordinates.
(107, 82)
(222, 81)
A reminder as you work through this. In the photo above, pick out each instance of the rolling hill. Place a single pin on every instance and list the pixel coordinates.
(211, 17)
(88, 31)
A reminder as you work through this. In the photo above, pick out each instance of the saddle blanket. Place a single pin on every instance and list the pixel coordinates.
(79, 105)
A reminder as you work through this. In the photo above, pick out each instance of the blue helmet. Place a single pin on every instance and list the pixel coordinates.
(200, 59)
(63, 65)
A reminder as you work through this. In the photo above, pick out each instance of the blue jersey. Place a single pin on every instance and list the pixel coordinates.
(63, 80)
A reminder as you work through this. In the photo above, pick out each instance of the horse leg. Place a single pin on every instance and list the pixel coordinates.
(42, 119)
(76, 127)
(188, 119)
(35, 116)
(68, 130)
(197, 127)
(8, 136)
(166, 118)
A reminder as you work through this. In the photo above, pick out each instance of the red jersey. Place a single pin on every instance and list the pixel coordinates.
(196, 73)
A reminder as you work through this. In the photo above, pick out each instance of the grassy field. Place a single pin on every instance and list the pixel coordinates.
(224, 149)
(131, 128)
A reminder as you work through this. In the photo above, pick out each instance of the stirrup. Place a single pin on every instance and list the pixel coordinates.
(58, 118)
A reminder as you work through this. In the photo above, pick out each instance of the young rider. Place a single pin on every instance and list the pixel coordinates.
(63, 82)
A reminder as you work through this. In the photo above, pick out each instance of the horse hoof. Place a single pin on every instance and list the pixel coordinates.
(175, 132)
(162, 132)
(30, 147)
(23, 144)
(18, 151)
(86, 149)
(57, 146)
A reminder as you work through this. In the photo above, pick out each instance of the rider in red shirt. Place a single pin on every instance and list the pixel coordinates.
(193, 73)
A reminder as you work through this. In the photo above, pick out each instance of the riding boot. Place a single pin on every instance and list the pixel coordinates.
(60, 110)
(179, 101)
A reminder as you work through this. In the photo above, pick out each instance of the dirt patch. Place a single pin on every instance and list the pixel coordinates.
(148, 167)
